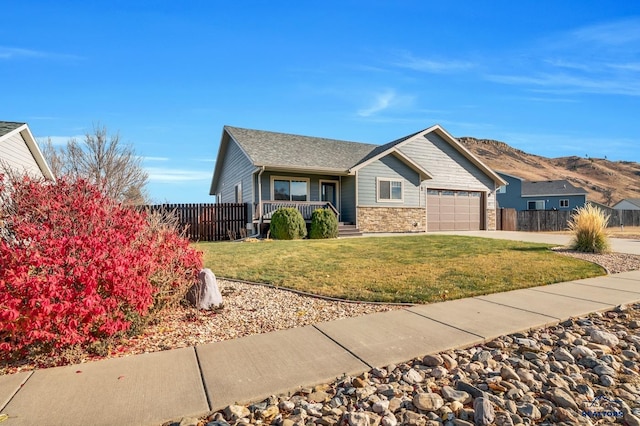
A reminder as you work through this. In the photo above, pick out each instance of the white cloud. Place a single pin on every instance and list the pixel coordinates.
(598, 59)
(143, 158)
(170, 175)
(17, 52)
(384, 101)
(433, 66)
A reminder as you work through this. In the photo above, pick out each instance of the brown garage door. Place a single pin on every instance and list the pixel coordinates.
(454, 210)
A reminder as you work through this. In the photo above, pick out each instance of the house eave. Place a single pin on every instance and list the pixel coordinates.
(552, 195)
(304, 170)
(33, 147)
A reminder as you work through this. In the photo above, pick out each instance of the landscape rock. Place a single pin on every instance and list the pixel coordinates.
(428, 401)
(205, 294)
(484, 413)
(604, 338)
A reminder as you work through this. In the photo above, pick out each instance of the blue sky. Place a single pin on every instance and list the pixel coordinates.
(553, 78)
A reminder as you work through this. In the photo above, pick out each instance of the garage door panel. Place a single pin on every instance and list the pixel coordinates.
(454, 210)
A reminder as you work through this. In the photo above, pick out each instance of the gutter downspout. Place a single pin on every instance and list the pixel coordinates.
(259, 204)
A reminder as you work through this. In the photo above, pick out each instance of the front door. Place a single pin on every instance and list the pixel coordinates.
(328, 192)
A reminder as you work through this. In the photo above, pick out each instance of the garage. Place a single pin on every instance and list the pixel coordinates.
(454, 210)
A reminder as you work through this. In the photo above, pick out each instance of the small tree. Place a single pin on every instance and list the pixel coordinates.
(102, 160)
(324, 224)
(287, 223)
(589, 226)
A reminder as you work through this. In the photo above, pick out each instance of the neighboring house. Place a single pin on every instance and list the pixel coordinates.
(422, 182)
(521, 194)
(627, 204)
(20, 152)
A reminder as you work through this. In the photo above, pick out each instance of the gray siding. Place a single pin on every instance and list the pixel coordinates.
(314, 182)
(16, 154)
(348, 198)
(236, 168)
(449, 168)
(388, 167)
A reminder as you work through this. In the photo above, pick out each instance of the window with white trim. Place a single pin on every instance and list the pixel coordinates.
(390, 189)
(290, 189)
(535, 205)
(564, 203)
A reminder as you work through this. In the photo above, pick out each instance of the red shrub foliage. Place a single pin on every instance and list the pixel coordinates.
(76, 267)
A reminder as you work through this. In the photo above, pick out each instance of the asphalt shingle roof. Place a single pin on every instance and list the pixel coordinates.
(550, 187)
(295, 151)
(634, 201)
(8, 126)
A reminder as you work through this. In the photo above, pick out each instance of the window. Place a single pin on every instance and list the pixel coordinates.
(389, 190)
(564, 203)
(294, 189)
(535, 205)
(238, 192)
(502, 189)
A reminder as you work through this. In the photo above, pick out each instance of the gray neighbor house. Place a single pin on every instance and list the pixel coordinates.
(521, 194)
(426, 181)
(20, 152)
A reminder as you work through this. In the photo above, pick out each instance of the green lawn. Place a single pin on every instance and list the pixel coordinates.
(416, 269)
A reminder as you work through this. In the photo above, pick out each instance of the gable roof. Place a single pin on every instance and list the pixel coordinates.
(288, 152)
(393, 146)
(634, 201)
(10, 128)
(550, 187)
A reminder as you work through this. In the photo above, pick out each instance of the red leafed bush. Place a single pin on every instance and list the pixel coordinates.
(77, 267)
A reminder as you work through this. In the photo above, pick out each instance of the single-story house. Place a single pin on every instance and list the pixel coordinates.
(20, 152)
(627, 204)
(421, 182)
(521, 194)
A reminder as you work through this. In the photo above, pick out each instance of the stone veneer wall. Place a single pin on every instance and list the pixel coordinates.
(391, 219)
(491, 220)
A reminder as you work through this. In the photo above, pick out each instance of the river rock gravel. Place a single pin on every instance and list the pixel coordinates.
(583, 371)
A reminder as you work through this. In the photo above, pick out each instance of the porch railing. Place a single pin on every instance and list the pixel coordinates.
(265, 209)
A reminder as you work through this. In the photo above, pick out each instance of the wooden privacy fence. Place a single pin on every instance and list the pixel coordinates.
(556, 220)
(209, 222)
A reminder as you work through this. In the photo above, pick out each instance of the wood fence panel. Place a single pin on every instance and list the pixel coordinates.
(507, 219)
(209, 222)
(558, 220)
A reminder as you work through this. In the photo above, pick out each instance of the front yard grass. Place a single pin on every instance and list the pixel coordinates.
(414, 269)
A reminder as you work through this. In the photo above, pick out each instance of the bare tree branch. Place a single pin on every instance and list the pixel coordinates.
(104, 161)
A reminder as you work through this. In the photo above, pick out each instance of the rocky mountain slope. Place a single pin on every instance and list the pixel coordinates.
(606, 181)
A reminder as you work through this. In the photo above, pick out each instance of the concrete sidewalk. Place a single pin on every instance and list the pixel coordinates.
(157, 387)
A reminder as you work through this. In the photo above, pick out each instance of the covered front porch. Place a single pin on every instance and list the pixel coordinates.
(265, 209)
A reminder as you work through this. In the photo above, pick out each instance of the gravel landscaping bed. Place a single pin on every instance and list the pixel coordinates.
(253, 309)
(581, 372)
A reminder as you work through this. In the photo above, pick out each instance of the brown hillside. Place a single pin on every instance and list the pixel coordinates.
(606, 181)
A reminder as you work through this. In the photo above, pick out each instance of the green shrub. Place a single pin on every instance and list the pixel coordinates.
(287, 223)
(324, 224)
(589, 226)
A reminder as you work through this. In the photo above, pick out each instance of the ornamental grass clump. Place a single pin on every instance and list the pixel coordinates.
(589, 226)
(324, 224)
(287, 223)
